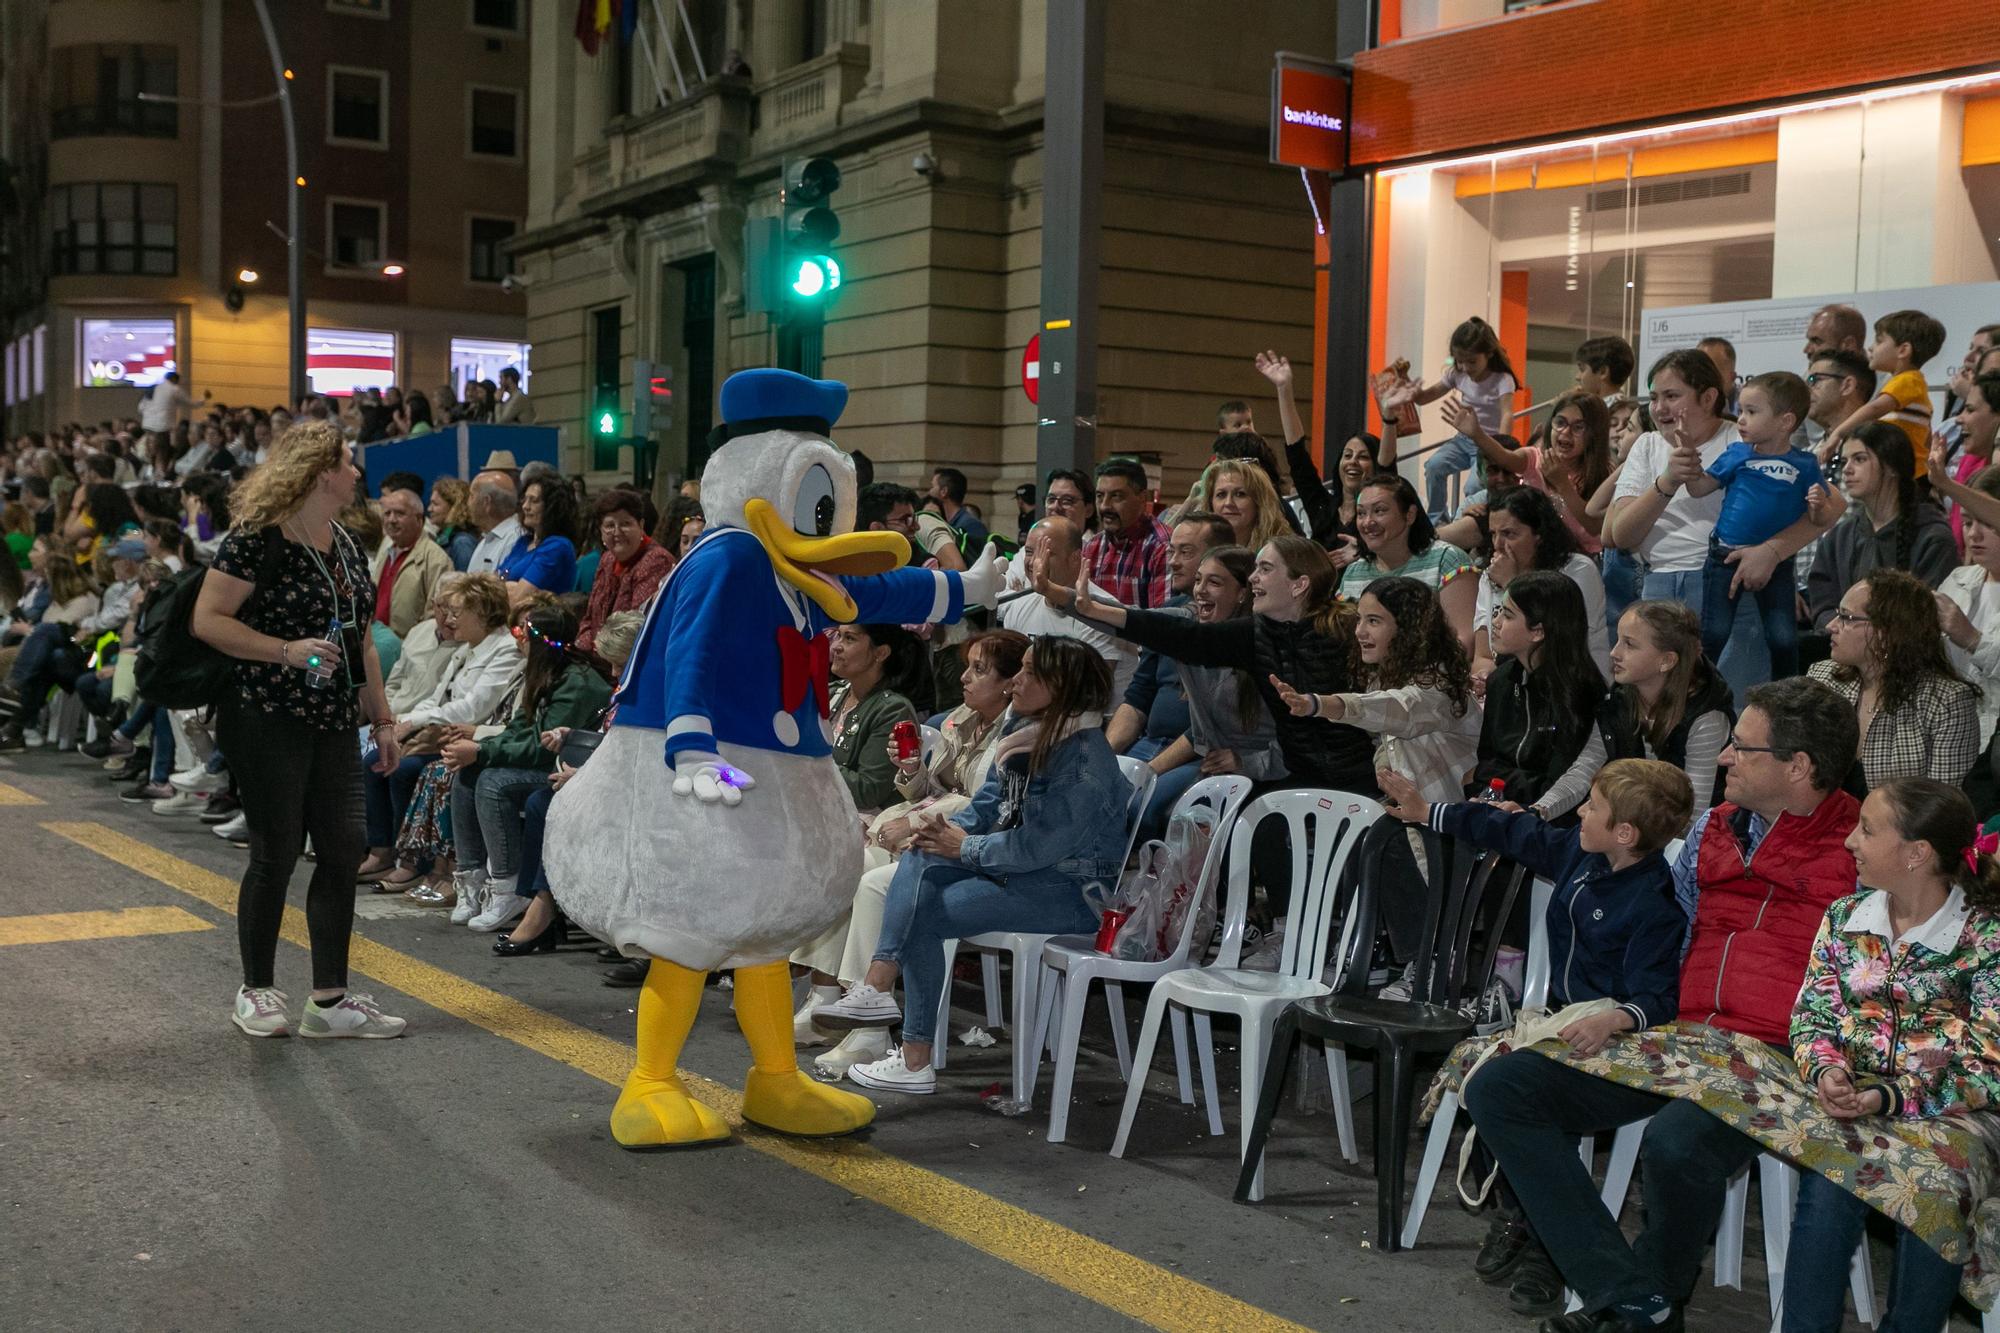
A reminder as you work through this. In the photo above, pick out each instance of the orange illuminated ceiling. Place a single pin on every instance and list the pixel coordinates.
(1737, 150)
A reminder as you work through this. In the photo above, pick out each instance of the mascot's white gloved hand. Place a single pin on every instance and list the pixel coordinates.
(982, 582)
(710, 780)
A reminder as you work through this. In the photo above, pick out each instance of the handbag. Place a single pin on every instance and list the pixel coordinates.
(577, 746)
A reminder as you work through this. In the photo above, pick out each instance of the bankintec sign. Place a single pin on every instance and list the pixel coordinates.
(1308, 114)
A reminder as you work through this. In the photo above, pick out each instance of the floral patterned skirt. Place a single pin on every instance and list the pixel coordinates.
(426, 831)
(1940, 1178)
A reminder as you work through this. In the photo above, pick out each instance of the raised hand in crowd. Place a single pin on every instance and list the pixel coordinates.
(1276, 369)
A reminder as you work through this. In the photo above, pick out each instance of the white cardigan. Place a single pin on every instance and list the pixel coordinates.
(1966, 586)
(479, 679)
(1417, 736)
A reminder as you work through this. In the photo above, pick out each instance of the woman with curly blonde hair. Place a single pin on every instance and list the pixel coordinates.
(1241, 493)
(289, 597)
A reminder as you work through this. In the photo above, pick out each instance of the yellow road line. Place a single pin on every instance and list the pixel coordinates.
(15, 796)
(60, 927)
(1082, 1264)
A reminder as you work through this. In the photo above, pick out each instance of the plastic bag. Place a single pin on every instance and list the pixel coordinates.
(1189, 836)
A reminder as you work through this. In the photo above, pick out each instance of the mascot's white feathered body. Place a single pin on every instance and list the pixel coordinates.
(710, 828)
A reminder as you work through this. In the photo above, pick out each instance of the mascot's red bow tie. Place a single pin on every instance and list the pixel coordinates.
(804, 664)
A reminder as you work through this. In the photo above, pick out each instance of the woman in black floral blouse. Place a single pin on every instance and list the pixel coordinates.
(290, 598)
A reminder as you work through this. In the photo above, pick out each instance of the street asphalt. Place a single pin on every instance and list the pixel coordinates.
(160, 1171)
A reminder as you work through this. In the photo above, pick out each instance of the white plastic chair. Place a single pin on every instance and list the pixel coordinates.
(1025, 954)
(1338, 820)
(1777, 1188)
(1071, 963)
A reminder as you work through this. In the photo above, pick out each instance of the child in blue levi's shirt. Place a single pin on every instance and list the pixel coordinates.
(1768, 484)
(1615, 933)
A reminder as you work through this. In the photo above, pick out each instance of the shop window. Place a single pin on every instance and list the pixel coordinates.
(96, 89)
(112, 227)
(123, 353)
(484, 359)
(339, 361)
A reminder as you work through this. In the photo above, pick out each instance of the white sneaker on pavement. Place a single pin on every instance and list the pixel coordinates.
(351, 1016)
(197, 779)
(862, 1007)
(502, 907)
(471, 887)
(805, 1032)
(890, 1074)
(859, 1047)
(260, 1012)
(181, 803)
(236, 826)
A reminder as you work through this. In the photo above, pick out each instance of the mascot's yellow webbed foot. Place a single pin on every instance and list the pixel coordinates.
(776, 1095)
(654, 1110)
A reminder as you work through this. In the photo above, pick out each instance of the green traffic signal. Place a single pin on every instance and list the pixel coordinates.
(816, 275)
(607, 423)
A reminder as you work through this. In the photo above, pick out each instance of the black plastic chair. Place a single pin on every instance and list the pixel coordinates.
(1468, 891)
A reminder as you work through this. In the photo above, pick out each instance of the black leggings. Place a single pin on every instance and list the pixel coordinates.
(295, 780)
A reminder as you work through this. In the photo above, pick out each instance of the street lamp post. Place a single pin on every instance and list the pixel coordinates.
(294, 186)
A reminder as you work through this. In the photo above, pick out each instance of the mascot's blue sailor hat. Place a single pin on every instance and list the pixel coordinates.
(755, 401)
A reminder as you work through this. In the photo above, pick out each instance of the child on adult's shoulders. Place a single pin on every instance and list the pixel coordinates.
(1769, 483)
(1615, 930)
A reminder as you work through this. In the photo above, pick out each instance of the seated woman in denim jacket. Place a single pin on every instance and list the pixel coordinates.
(1048, 821)
(1899, 1017)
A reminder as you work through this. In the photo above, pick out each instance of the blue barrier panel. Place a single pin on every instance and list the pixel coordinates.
(459, 451)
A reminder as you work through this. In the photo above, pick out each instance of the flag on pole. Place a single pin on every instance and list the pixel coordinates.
(593, 20)
(628, 18)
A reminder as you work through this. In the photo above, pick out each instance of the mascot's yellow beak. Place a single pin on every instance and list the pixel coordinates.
(808, 563)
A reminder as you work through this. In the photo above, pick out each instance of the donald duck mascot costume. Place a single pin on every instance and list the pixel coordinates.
(709, 829)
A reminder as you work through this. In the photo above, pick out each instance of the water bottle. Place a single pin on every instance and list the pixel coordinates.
(319, 673)
(1495, 793)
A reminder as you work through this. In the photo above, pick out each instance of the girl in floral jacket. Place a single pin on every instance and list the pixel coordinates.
(1899, 1016)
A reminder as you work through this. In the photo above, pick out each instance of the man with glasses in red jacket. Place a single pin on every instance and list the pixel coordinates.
(1755, 877)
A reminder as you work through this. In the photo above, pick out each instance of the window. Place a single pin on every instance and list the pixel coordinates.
(498, 15)
(123, 353)
(357, 107)
(494, 118)
(484, 359)
(339, 361)
(356, 233)
(95, 90)
(112, 228)
(487, 262)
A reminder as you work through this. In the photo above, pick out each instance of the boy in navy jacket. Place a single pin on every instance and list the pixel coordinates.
(1615, 932)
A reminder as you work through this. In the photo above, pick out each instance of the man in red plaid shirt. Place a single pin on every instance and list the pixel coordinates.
(1127, 555)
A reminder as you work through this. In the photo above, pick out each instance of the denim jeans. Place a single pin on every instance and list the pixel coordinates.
(143, 715)
(932, 900)
(1777, 611)
(1530, 1111)
(1446, 461)
(486, 817)
(1827, 1224)
(1621, 586)
(163, 750)
(1745, 662)
(49, 657)
(389, 796)
(534, 822)
(1172, 785)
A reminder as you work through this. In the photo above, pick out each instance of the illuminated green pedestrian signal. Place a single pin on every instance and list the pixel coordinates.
(607, 423)
(815, 275)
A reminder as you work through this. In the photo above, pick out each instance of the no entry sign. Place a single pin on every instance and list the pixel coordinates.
(1031, 369)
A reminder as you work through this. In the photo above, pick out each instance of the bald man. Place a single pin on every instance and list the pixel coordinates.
(1834, 327)
(495, 502)
(1056, 544)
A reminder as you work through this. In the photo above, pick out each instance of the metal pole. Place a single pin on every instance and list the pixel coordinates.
(294, 242)
(1072, 199)
(1342, 369)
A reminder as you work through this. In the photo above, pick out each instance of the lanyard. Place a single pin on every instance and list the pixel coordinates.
(332, 586)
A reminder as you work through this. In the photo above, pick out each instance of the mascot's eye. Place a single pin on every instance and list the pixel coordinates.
(812, 511)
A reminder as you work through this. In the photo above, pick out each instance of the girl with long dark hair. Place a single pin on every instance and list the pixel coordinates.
(562, 686)
(1397, 538)
(545, 556)
(1570, 463)
(1666, 701)
(1485, 382)
(1049, 822)
(1538, 739)
(1888, 524)
(1527, 533)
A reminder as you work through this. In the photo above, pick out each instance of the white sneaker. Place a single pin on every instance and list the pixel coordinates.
(471, 887)
(232, 828)
(197, 779)
(1401, 988)
(33, 739)
(890, 1074)
(181, 803)
(859, 1047)
(260, 1012)
(352, 1016)
(862, 1007)
(805, 1032)
(503, 906)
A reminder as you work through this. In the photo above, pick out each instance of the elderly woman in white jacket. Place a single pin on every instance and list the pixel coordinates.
(478, 682)
(934, 788)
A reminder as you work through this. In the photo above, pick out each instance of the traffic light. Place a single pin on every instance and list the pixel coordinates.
(652, 397)
(794, 271)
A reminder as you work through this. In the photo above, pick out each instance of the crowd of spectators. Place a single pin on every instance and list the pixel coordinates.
(1721, 658)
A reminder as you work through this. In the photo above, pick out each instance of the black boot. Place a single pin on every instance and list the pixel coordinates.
(11, 737)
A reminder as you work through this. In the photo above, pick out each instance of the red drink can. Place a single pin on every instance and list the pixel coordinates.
(908, 742)
(1108, 927)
